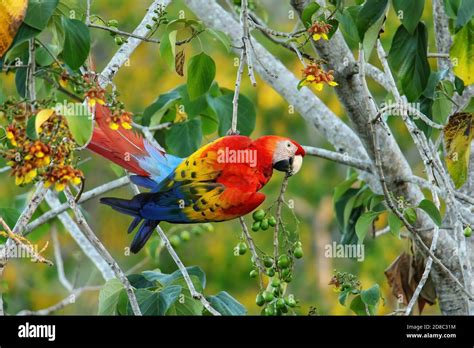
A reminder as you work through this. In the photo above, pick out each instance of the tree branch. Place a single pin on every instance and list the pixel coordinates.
(125, 51)
(90, 235)
(76, 233)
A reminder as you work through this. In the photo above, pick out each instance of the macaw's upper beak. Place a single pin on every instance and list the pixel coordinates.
(291, 165)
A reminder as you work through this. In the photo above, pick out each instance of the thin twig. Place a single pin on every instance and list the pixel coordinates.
(246, 39)
(70, 299)
(235, 101)
(279, 221)
(253, 251)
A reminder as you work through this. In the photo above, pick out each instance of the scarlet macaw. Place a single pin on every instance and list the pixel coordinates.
(218, 182)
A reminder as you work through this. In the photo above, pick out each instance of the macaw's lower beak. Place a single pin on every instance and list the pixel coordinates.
(291, 165)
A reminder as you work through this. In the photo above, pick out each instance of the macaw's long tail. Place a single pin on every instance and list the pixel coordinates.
(129, 149)
(132, 207)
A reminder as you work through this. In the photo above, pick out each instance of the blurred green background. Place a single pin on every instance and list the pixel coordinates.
(35, 286)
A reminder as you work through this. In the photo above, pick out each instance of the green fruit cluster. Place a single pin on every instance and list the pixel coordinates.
(261, 221)
(274, 304)
(185, 235)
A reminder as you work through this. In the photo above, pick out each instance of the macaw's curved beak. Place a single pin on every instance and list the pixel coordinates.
(291, 165)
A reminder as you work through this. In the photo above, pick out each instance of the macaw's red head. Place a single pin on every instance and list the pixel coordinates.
(286, 155)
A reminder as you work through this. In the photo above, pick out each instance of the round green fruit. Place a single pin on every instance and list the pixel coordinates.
(272, 221)
(256, 226)
(260, 300)
(275, 282)
(280, 303)
(271, 272)
(242, 247)
(298, 252)
(269, 310)
(290, 301)
(268, 296)
(253, 273)
(468, 231)
(185, 236)
(268, 261)
(283, 261)
(175, 241)
(285, 272)
(258, 215)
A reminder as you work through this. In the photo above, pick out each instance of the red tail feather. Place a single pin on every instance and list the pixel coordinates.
(119, 146)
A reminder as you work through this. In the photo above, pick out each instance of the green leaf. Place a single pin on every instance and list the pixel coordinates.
(30, 128)
(459, 85)
(221, 37)
(341, 188)
(369, 14)
(371, 296)
(462, 53)
(343, 296)
(201, 73)
(163, 102)
(363, 224)
(109, 297)
(186, 304)
(80, 125)
(24, 33)
(148, 301)
(395, 224)
(433, 82)
(168, 48)
(371, 37)
(465, 13)
(168, 296)
(246, 114)
(409, 12)
(192, 107)
(10, 216)
(348, 25)
(358, 306)
(451, 7)
(209, 121)
(184, 138)
(43, 57)
(156, 302)
(39, 12)
(308, 12)
(430, 209)
(226, 304)
(20, 81)
(408, 58)
(76, 43)
(167, 279)
(410, 215)
(441, 108)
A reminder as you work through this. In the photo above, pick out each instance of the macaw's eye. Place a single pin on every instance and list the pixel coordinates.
(288, 144)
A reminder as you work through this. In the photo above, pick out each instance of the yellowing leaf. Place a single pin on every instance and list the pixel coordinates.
(42, 117)
(12, 13)
(458, 137)
(462, 53)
